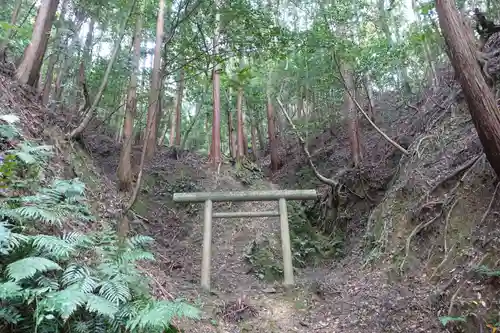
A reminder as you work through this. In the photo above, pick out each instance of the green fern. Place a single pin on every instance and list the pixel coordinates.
(10, 315)
(28, 267)
(64, 302)
(159, 315)
(101, 306)
(73, 282)
(10, 290)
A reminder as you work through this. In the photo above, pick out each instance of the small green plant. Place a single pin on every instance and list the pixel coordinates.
(445, 320)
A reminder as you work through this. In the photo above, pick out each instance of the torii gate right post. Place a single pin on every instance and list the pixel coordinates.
(279, 195)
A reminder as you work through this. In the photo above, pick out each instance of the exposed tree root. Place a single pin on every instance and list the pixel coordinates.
(415, 231)
(450, 201)
(456, 172)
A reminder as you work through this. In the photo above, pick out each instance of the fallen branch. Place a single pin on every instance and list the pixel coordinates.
(322, 178)
(392, 142)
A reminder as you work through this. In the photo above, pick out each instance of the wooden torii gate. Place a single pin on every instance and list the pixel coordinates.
(279, 195)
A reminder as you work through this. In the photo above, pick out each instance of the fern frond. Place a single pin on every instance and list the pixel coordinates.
(17, 240)
(64, 302)
(28, 267)
(38, 213)
(139, 240)
(46, 282)
(77, 239)
(80, 276)
(10, 290)
(10, 315)
(132, 256)
(159, 315)
(101, 306)
(53, 247)
(115, 291)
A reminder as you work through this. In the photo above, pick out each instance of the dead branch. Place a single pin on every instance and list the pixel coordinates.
(392, 142)
(323, 179)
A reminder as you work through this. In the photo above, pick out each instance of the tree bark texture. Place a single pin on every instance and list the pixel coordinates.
(28, 70)
(478, 95)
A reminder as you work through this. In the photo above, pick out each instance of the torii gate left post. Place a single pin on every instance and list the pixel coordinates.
(279, 195)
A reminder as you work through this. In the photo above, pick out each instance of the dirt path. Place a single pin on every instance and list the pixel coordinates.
(343, 298)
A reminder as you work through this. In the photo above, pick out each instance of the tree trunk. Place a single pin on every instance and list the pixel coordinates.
(13, 20)
(77, 131)
(28, 70)
(255, 151)
(239, 126)
(369, 94)
(155, 83)
(351, 115)
(54, 55)
(273, 145)
(86, 58)
(260, 135)
(478, 94)
(178, 108)
(300, 102)
(124, 171)
(231, 136)
(215, 155)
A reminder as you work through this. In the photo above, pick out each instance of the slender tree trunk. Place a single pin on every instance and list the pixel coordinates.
(5, 43)
(300, 102)
(479, 97)
(231, 136)
(54, 55)
(369, 94)
(215, 156)
(241, 148)
(124, 171)
(351, 115)
(77, 131)
(178, 109)
(255, 150)
(28, 71)
(260, 135)
(155, 83)
(86, 57)
(273, 145)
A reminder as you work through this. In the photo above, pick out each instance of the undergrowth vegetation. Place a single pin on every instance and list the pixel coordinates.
(309, 246)
(67, 281)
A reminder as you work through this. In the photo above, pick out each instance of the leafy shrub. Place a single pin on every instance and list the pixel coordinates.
(71, 282)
